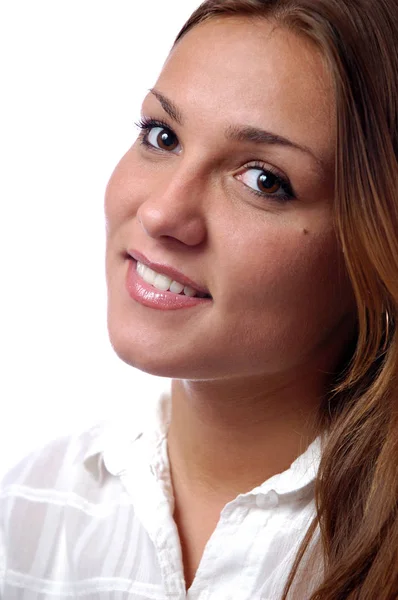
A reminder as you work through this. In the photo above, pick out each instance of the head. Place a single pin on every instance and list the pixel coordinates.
(292, 232)
(249, 217)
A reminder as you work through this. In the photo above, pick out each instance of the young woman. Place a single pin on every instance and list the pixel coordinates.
(252, 258)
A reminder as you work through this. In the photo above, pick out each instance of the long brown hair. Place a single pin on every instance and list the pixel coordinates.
(357, 484)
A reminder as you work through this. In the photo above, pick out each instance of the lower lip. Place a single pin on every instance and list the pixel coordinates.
(146, 294)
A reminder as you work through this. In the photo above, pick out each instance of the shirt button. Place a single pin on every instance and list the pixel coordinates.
(269, 500)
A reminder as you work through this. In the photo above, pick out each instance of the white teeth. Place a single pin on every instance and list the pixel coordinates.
(164, 283)
(176, 287)
(146, 273)
(188, 291)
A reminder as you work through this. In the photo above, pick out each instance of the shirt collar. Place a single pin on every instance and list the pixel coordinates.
(110, 441)
(110, 445)
(300, 477)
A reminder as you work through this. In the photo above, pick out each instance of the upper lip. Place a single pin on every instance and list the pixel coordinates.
(169, 271)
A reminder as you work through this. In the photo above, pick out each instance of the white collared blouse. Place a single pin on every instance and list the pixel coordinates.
(90, 516)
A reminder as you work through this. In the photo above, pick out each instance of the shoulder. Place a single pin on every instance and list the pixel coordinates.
(73, 471)
(55, 503)
(39, 486)
(62, 472)
(55, 464)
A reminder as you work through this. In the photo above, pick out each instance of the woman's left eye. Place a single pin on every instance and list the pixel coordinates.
(263, 181)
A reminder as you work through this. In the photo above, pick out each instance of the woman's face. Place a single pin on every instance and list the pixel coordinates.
(270, 261)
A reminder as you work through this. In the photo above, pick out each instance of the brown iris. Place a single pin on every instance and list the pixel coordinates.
(268, 183)
(166, 140)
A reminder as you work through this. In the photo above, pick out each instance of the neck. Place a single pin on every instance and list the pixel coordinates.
(227, 437)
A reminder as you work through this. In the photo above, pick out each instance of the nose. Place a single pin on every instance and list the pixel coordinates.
(174, 206)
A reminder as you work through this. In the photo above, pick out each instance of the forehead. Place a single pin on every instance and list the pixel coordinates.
(252, 72)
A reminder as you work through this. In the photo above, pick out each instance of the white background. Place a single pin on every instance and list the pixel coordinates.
(73, 74)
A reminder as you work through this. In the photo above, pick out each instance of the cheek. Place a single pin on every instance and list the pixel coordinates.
(290, 300)
(124, 190)
(293, 273)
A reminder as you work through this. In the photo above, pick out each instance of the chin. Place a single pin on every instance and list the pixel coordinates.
(151, 358)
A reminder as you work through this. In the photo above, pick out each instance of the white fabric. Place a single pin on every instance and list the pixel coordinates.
(90, 516)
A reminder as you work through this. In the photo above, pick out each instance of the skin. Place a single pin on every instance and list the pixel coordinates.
(249, 368)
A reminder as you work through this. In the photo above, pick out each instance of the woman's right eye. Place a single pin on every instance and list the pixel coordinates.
(157, 135)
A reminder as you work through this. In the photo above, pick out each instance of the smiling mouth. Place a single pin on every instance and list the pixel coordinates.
(164, 283)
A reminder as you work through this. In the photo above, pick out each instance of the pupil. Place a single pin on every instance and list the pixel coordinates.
(166, 138)
(268, 181)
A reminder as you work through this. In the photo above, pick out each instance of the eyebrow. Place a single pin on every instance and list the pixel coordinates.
(237, 133)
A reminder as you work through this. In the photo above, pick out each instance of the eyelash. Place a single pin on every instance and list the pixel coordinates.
(146, 124)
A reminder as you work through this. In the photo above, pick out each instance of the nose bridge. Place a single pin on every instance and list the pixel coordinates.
(176, 202)
(184, 181)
